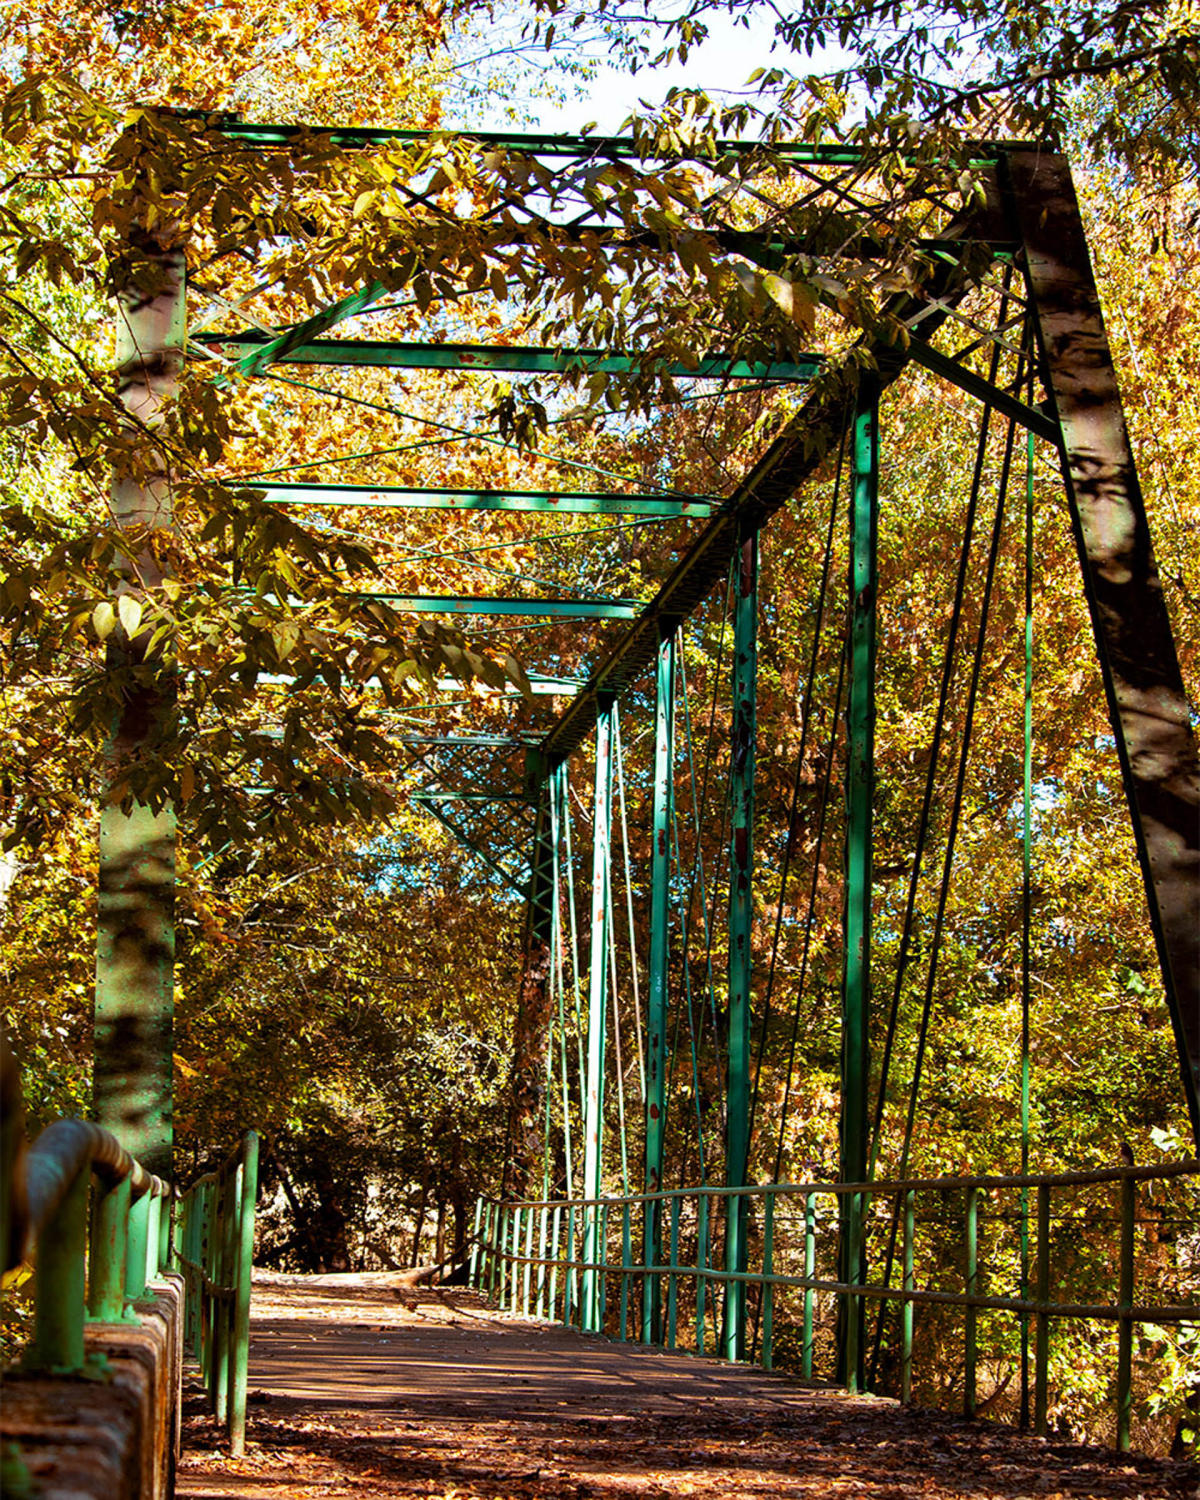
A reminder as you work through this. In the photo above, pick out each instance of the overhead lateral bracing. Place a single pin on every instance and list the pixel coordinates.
(532, 502)
(484, 358)
(1020, 183)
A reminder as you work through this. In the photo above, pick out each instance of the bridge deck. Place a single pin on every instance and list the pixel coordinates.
(360, 1390)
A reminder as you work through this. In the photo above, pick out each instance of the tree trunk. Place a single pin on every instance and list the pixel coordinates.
(416, 1244)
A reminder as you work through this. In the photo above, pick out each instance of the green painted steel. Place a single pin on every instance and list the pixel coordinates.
(58, 1313)
(860, 783)
(659, 964)
(142, 1220)
(46, 1187)
(491, 604)
(215, 1252)
(276, 350)
(247, 1192)
(430, 805)
(135, 929)
(593, 1113)
(743, 736)
(385, 353)
(106, 1251)
(589, 147)
(790, 1263)
(562, 502)
(975, 385)
(810, 1270)
(970, 1353)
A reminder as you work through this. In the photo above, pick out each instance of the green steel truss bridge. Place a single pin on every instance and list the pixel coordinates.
(617, 803)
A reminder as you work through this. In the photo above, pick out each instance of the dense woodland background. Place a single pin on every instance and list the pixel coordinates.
(347, 974)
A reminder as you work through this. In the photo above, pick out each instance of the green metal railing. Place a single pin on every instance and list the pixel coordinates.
(214, 1246)
(93, 1253)
(981, 1228)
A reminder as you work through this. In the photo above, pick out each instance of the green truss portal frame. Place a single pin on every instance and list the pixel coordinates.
(1030, 220)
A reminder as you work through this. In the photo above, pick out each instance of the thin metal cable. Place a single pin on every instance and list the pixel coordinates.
(822, 818)
(790, 843)
(574, 926)
(947, 871)
(949, 666)
(633, 963)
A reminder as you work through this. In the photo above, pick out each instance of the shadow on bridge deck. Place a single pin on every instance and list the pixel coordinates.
(363, 1390)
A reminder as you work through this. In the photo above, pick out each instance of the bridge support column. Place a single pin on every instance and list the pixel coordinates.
(593, 1113)
(660, 952)
(741, 919)
(135, 959)
(860, 789)
(1147, 702)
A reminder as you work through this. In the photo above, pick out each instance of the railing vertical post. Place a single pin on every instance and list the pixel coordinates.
(527, 1279)
(1125, 1325)
(860, 793)
(603, 1258)
(810, 1270)
(673, 1277)
(154, 1211)
(657, 975)
(626, 1262)
(494, 1247)
(768, 1288)
(225, 1236)
(165, 1215)
(513, 1270)
(543, 1271)
(852, 1321)
(1041, 1343)
(555, 1254)
(906, 1316)
(241, 1312)
(743, 708)
(702, 1260)
(593, 1123)
(58, 1284)
(106, 1253)
(570, 1284)
(972, 1288)
(473, 1260)
(212, 1242)
(137, 1237)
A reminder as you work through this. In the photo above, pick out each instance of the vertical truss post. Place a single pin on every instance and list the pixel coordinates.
(660, 952)
(593, 1118)
(526, 1111)
(135, 946)
(741, 917)
(1147, 704)
(860, 780)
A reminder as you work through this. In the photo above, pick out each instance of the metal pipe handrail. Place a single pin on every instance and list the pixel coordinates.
(879, 1187)
(53, 1162)
(504, 1264)
(117, 1238)
(214, 1248)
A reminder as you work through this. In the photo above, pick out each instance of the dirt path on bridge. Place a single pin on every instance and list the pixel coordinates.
(363, 1392)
